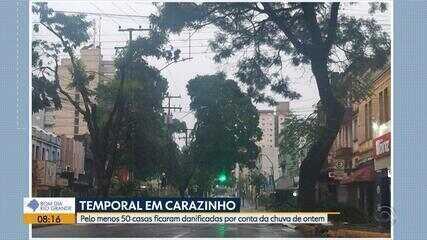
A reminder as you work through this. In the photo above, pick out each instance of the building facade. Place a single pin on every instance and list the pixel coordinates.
(359, 164)
(44, 119)
(68, 121)
(46, 153)
(73, 155)
(270, 122)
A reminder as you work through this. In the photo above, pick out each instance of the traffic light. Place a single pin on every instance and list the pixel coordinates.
(222, 178)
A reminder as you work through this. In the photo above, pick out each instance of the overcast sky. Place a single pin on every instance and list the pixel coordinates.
(201, 63)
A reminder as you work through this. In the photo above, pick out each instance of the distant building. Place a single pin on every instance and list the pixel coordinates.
(73, 165)
(73, 155)
(46, 153)
(68, 120)
(44, 119)
(270, 123)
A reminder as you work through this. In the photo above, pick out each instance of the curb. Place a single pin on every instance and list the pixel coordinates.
(356, 233)
(324, 231)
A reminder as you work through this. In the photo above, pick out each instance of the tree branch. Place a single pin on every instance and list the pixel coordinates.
(312, 24)
(332, 26)
(62, 91)
(280, 22)
(83, 92)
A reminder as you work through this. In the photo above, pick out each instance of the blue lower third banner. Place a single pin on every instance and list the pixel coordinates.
(157, 204)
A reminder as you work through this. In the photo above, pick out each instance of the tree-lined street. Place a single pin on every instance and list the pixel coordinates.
(119, 112)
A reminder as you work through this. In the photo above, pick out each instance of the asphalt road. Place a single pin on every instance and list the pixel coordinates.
(166, 230)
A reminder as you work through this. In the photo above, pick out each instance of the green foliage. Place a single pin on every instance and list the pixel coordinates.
(142, 131)
(177, 126)
(44, 94)
(71, 28)
(266, 35)
(125, 115)
(227, 122)
(123, 189)
(296, 137)
(181, 168)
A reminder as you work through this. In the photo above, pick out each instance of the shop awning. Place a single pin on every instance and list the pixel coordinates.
(366, 174)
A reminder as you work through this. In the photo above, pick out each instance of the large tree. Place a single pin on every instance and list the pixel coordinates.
(226, 130)
(265, 35)
(296, 137)
(125, 118)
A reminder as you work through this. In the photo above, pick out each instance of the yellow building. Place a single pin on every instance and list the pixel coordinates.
(360, 157)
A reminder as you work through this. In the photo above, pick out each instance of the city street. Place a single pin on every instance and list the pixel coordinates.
(166, 230)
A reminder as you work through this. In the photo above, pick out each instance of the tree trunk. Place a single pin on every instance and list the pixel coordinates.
(333, 112)
(182, 192)
(103, 187)
(102, 177)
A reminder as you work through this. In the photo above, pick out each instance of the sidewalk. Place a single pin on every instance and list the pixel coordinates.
(341, 231)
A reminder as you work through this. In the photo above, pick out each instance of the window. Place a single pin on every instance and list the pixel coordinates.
(37, 157)
(346, 137)
(354, 129)
(349, 133)
(76, 129)
(368, 120)
(386, 105)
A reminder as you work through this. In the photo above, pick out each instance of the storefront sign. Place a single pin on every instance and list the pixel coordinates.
(382, 146)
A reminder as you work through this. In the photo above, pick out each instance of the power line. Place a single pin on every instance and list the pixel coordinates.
(104, 15)
(121, 10)
(131, 8)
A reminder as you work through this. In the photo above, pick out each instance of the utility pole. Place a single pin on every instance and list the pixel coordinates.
(131, 30)
(170, 108)
(187, 130)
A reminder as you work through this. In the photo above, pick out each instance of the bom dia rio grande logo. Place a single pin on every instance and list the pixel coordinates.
(33, 204)
(49, 210)
(49, 205)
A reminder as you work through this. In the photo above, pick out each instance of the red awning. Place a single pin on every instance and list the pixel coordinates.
(366, 174)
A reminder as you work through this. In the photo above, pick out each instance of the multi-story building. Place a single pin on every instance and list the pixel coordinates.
(73, 155)
(338, 164)
(46, 153)
(68, 120)
(382, 141)
(359, 163)
(270, 122)
(72, 165)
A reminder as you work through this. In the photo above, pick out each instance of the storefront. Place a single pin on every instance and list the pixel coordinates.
(361, 187)
(382, 163)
